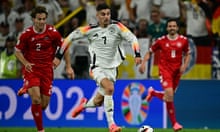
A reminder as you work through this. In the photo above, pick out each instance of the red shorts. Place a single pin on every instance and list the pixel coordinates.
(39, 77)
(170, 79)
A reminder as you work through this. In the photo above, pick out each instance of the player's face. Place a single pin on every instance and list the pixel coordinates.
(39, 21)
(172, 28)
(104, 17)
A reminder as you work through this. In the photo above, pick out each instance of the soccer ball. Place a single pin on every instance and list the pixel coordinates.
(145, 128)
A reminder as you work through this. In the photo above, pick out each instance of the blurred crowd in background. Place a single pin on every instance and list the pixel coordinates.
(198, 20)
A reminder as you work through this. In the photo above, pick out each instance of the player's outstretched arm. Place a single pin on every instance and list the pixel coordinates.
(138, 60)
(69, 69)
(142, 67)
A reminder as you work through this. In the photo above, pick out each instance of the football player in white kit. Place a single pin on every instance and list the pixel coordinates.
(106, 55)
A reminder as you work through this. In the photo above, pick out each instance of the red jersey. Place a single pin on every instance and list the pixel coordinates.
(39, 48)
(171, 51)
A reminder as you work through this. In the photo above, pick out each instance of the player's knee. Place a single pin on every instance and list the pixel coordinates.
(109, 90)
(168, 98)
(168, 95)
(36, 100)
(44, 107)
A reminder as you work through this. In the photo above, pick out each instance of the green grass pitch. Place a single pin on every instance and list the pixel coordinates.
(20, 129)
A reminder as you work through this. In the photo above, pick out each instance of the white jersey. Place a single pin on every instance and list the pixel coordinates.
(105, 43)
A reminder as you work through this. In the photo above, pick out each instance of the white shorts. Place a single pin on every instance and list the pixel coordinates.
(101, 73)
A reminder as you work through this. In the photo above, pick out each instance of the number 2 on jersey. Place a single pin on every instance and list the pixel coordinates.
(38, 46)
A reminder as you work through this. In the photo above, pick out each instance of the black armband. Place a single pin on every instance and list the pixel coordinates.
(59, 54)
(137, 54)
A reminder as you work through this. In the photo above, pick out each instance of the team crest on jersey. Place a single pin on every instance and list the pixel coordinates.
(46, 38)
(111, 30)
(167, 45)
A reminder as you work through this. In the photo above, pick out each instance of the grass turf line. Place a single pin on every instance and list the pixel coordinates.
(25, 129)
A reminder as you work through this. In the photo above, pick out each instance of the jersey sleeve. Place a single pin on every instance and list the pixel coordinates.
(155, 46)
(57, 37)
(186, 48)
(130, 37)
(76, 34)
(20, 46)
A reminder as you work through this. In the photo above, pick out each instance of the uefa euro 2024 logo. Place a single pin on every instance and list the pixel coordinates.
(134, 104)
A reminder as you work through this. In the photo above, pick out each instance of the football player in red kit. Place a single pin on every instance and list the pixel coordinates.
(174, 57)
(36, 49)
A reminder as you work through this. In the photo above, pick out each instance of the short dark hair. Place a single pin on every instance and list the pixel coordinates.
(172, 20)
(38, 9)
(102, 6)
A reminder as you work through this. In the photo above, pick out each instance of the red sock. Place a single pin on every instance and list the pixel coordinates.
(171, 112)
(37, 114)
(158, 94)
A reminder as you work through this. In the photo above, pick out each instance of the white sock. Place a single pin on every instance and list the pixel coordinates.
(109, 109)
(41, 131)
(90, 103)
